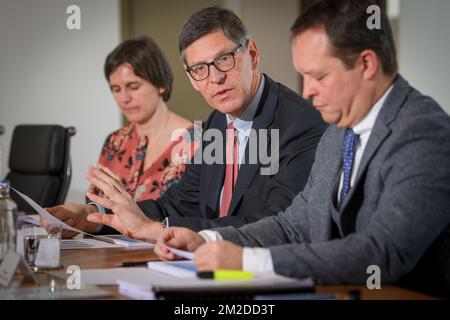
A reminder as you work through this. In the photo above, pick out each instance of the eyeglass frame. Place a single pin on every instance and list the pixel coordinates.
(213, 63)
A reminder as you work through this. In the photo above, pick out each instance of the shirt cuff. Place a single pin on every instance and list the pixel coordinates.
(258, 261)
(102, 211)
(210, 235)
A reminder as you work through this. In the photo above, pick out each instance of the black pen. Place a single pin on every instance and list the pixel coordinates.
(134, 263)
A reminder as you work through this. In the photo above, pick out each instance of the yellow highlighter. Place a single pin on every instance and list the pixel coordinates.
(221, 274)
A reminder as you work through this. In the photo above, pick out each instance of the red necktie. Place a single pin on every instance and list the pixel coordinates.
(231, 171)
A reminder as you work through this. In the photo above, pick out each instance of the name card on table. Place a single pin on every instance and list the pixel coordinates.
(9, 266)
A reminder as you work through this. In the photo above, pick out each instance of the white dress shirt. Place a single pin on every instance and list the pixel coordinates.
(364, 129)
(259, 260)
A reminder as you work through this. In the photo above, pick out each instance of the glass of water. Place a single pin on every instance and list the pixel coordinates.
(31, 237)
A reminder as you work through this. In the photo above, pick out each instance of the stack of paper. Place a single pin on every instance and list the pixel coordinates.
(71, 244)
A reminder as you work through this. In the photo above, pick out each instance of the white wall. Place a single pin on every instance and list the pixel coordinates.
(269, 23)
(424, 47)
(49, 74)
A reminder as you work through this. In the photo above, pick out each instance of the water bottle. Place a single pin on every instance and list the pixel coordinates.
(8, 217)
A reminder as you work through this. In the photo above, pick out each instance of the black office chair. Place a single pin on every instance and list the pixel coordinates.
(39, 163)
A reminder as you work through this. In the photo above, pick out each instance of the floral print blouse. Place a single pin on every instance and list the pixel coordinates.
(124, 153)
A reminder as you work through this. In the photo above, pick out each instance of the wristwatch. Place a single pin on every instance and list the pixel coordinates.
(165, 223)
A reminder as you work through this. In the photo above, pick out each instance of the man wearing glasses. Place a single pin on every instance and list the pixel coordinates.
(221, 61)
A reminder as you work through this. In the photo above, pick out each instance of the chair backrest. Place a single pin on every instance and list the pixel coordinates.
(39, 163)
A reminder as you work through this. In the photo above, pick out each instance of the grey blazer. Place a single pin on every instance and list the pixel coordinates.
(396, 216)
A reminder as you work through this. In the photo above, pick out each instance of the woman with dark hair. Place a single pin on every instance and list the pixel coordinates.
(149, 154)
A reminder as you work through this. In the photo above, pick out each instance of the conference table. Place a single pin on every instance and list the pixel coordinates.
(113, 258)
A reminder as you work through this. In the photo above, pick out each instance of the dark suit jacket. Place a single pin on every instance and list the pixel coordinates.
(194, 201)
(396, 216)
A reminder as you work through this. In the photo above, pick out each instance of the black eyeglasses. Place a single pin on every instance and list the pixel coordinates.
(222, 63)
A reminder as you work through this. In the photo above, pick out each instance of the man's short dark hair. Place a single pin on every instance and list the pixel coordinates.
(147, 60)
(209, 20)
(345, 22)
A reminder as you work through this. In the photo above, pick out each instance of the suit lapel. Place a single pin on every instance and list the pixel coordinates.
(328, 172)
(263, 118)
(214, 173)
(348, 217)
(335, 166)
(378, 135)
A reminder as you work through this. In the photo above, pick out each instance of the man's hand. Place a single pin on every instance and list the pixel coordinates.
(74, 215)
(127, 217)
(218, 255)
(180, 238)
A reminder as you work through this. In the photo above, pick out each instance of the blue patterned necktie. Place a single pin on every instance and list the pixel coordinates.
(348, 156)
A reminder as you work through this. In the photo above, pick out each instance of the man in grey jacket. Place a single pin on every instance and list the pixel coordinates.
(378, 197)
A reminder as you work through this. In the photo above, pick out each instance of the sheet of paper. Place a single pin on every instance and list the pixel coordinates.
(44, 214)
(182, 253)
(135, 291)
(31, 219)
(179, 269)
